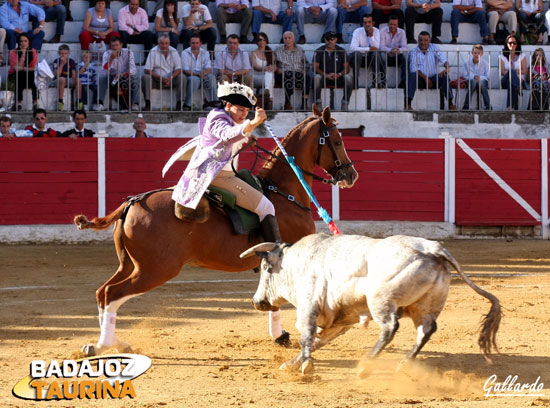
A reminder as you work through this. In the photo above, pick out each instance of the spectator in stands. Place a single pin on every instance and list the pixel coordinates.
(365, 47)
(233, 11)
(332, 69)
(23, 62)
(350, 12)
(139, 126)
(476, 71)
(197, 68)
(424, 62)
(196, 18)
(162, 70)
(500, 10)
(79, 119)
(39, 128)
(270, 11)
(531, 12)
(55, 11)
(382, 10)
(540, 87)
(64, 71)
(98, 26)
(263, 63)
(133, 26)
(393, 43)
(292, 70)
(513, 67)
(118, 68)
(87, 75)
(317, 12)
(14, 18)
(233, 64)
(423, 11)
(5, 128)
(469, 11)
(167, 21)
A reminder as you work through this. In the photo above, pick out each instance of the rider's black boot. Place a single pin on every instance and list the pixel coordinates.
(270, 229)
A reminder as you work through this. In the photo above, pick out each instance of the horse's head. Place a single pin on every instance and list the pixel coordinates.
(331, 154)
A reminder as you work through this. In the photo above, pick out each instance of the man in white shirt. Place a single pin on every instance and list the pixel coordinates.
(162, 70)
(393, 43)
(233, 64)
(365, 45)
(270, 11)
(197, 68)
(423, 11)
(476, 72)
(197, 19)
(469, 11)
(317, 12)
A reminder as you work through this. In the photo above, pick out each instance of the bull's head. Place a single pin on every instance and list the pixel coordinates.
(267, 297)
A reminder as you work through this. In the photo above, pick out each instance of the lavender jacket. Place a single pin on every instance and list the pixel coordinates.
(212, 153)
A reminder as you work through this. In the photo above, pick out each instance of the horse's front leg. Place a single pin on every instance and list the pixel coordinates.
(279, 336)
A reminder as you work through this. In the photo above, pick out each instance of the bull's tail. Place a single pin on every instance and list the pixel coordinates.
(491, 321)
(99, 223)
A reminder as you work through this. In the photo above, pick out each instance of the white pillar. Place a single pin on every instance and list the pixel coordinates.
(544, 188)
(335, 202)
(101, 177)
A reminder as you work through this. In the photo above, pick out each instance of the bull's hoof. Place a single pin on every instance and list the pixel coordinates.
(283, 340)
(89, 350)
(307, 367)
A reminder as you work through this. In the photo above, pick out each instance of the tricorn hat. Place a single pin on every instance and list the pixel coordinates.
(237, 94)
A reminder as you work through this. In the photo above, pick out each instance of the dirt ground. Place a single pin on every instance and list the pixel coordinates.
(210, 348)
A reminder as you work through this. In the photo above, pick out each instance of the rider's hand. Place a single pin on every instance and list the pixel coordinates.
(259, 118)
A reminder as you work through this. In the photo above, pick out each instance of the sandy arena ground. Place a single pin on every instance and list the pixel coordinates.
(210, 348)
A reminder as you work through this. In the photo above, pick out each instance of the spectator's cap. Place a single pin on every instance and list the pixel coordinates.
(237, 94)
(329, 35)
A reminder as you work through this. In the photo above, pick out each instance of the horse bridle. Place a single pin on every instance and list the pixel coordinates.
(338, 171)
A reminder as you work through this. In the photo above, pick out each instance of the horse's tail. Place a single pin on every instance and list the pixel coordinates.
(491, 321)
(96, 223)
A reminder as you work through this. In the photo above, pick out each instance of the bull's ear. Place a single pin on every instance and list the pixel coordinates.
(263, 247)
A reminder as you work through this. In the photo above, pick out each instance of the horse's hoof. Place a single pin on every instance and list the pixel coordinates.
(283, 340)
(124, 348)
(363, 371)
(89, 350)
(290, 365)
(307, 367)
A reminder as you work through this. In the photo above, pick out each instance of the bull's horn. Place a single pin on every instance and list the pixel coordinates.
(263, 247)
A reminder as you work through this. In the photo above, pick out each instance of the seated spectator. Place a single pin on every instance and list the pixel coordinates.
(263, 63)
(197, 68)
(233, 11)
(133, 26)
(79, 118)
(423, 63)
(39, 128)
(513, 67)
(197, 19)
(55, 11)
(98, 26)
(269, 11)
(162, 70)
(316, 12)
(23, 62)
(118, 69)
(501, 10)
(469, 11)
(365, 47)
(539, 74)
(292, 70)
(382, 10)
(476, 72)
(64, 71)
(393, 43)
(5, 128)
(87, 75)
(167, 21)
(350, 12)
(531, 12)
(332, 69)
(233, 64)
(14, 18)
(139, 126)
(423, 11)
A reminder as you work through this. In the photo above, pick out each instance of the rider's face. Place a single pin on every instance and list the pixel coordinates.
(237, 112)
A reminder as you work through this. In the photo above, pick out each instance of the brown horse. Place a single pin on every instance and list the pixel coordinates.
(152, 244)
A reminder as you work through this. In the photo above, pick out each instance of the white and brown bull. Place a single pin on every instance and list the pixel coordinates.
(336, 281)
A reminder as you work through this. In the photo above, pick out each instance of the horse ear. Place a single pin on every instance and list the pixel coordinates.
(263, 247)
(326, 116)
(316, 111)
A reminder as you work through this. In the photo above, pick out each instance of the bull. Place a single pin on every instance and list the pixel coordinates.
(337, 281)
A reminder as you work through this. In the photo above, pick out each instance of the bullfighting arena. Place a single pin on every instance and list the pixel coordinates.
(210, 348)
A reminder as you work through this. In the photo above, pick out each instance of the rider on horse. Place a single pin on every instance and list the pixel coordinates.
(224, 132)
